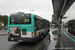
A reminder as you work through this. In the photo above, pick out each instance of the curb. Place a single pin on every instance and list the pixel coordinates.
(3, 34)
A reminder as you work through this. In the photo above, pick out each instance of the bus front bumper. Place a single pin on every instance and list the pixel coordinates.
(22, 39)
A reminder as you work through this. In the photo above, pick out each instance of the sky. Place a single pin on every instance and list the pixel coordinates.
(42, 8)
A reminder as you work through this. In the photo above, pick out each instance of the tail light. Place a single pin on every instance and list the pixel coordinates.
(8, 34)
(32, 34)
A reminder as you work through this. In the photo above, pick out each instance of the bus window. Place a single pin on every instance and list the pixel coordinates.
(20, 19)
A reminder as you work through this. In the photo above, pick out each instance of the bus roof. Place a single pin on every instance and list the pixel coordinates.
(21, 13)
(41, 17)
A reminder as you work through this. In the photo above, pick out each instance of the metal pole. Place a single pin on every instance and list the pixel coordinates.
(31, 11)
(60, 20)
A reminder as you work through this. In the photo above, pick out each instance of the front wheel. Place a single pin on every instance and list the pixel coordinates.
(42, 36)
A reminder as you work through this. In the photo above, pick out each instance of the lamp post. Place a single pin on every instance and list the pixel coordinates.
(31, 11)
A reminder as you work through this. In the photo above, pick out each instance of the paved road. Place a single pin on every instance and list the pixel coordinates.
(45, 44)
(3, 32)
(67, 42)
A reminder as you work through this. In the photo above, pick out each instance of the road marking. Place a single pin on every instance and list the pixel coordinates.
(61, 43)
(3, 34)
(68, 35)
(51, 33)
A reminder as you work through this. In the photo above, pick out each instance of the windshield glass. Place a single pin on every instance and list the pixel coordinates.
(20, 19)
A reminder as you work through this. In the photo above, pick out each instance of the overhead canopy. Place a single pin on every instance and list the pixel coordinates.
(60, 7)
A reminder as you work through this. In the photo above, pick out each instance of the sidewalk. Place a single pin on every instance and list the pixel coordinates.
(55, 41)
(3, 32)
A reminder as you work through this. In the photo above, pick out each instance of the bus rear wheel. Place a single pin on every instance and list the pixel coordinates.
(42, 36)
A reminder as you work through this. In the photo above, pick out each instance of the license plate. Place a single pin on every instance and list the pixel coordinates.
(20, 40)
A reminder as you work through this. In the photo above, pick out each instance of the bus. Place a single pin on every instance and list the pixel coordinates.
(71, 26)
(27, 27)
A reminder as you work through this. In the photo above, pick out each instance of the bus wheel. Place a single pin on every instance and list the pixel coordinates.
(42, 36)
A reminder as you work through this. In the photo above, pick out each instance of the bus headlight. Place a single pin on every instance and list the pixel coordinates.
(14, 30)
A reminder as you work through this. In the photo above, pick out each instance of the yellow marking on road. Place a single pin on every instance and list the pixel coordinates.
(61, 43)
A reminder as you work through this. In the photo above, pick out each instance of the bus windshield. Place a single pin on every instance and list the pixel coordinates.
(20, 19)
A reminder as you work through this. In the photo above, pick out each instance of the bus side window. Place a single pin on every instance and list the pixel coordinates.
(38, 25)
(35, 20)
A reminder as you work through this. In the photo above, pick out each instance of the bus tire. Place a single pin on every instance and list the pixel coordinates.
(42, 36)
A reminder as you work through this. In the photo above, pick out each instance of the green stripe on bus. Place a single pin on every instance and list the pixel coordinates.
(8, 23)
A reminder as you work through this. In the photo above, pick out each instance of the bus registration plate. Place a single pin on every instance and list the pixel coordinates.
(20, 40)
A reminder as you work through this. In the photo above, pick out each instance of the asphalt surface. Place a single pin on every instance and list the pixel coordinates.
(66, 40)
(44, 44)
(3, 32)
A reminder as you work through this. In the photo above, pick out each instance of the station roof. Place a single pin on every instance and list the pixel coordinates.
(60, 7)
